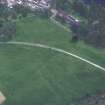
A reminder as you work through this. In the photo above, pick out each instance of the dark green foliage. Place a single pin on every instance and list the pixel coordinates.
(7, 13)
(7, 31)
(62, 4)
(92, 30)
(80, 8)
(21, 10)
(1, 23)
(96, 26)
(75, 39)
(4, 11)
(82, 30)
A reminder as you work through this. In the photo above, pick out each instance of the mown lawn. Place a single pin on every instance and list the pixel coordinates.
(36, 30)
(36, 76)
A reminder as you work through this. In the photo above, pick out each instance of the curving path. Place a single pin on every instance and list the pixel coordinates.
(55, 49)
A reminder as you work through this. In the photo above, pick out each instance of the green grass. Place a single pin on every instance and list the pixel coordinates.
(45, 32)
(36, 76)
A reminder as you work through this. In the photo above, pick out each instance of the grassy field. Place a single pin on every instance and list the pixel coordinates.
(36, 76)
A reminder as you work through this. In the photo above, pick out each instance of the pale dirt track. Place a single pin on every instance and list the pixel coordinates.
(57, 50)
(2, 98)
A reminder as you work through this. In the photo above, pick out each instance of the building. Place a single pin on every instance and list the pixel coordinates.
(67, 18)
(34, 4)
(44, 4)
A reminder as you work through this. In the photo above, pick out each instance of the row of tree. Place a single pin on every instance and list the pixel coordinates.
(92, 29)
(8, 16)
(7, 19)
(7, 26)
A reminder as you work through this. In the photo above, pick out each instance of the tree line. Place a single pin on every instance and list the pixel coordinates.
(92, 27)
(7, 19)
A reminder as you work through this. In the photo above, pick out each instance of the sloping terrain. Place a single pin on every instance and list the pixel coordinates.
(36, 76)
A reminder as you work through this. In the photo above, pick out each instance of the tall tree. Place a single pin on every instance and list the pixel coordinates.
(95, 28)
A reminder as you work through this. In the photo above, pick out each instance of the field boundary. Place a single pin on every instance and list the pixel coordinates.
(55, 49)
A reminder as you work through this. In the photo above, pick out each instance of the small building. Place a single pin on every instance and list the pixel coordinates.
(68, 18)
(45, 4)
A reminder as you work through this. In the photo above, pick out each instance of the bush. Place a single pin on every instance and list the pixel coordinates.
(7, 31)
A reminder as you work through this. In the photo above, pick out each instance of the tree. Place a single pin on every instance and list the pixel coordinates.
(62, 4)
(79, 7)
(94, 31)
(21, 10)
(7, 31)
(5, 12)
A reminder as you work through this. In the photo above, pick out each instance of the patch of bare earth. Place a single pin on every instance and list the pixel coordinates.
(2, 98)
(98, 99)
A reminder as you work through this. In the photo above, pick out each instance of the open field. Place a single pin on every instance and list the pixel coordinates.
(45, 32)
(36, 76)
